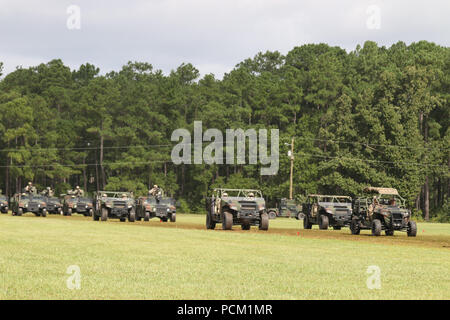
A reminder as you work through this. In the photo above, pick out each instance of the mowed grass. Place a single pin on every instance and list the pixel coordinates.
(183, 260)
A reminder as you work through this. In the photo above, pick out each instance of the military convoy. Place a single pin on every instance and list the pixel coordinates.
(114, 205)
(379, 209)
(156, 206)
(244, 207)
(288, 208)
(382, 209)
(327, 211)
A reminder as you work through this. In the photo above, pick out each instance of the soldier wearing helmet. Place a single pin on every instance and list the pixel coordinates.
(78, 192)
(30, 189)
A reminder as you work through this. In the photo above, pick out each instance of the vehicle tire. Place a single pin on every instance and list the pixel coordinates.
(147, 216)
(123, 219)
(272, 215)
(91, 212)
(306, 223)
(69, 212)
(389, 232)
(264, 223)
(20, 212)
(132, 216)
(227, 223)
(412, 229)
(104, 214)
(323, 222)
(354, 227)
(245, 226)
(164, 219)
(376, 227)
(60, 211)
(173, 217)
(336, 228)
(44, 213)
(210, 224)
(95, 217)
(299, 216)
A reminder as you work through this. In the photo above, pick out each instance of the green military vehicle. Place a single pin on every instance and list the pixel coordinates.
(3, 204)
(242, 207)
(73, 204)
(161, 207)
(382, 209)
(327, 210)
(27, 202)
(54, 206)
(288, 208)
(114, 205)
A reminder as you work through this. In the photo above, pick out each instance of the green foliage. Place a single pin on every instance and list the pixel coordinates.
(374, 116)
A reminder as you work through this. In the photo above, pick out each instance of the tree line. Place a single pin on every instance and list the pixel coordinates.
(374, 116)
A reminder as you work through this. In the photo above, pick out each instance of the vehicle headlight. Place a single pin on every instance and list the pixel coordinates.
(130, 207)
(168, 209)
(329, 211)
(233, 207)
(74, 206)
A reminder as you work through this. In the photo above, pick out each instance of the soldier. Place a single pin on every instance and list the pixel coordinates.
(48, 192)
(78, 192)
(154, 191)
(392, 202)
(30, 189)
(124, 196)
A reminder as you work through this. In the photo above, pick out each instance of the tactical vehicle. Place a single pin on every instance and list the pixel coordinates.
(327, 210)
(161, 207)
(114, 205)
(53, 205)
(3, 204)
(383, 209)
(242, 207)
(286, 208)
(73, 204)
(25, 202)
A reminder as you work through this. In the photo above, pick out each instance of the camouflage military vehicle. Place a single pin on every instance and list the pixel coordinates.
(25, 202)
(114, 205)
(325, 210)
(288, 208)
(73, 204)
(3, 204)
(53, 205)
(161, 207)
(242, 207)
(383, 209)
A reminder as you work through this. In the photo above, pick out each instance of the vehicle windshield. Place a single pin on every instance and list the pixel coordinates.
(2, 198)
(84, 200)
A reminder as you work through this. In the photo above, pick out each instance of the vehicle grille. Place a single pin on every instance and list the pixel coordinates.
(120, 204)
(397, 218)
(248, 206)
(342, 211)
(161, 209)
(33, 206)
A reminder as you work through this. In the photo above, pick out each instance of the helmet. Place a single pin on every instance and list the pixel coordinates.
(155, 186)
(224, 194)
(251, 195)
(30, 183)
(78, 187)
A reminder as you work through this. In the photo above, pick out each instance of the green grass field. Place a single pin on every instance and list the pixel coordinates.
(183, 260)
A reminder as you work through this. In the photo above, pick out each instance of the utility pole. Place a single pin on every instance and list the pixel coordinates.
(292, 168)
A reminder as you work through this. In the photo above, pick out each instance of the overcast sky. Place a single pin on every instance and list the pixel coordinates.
(214, 35)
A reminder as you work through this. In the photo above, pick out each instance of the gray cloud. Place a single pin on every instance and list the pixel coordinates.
(214, 35)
